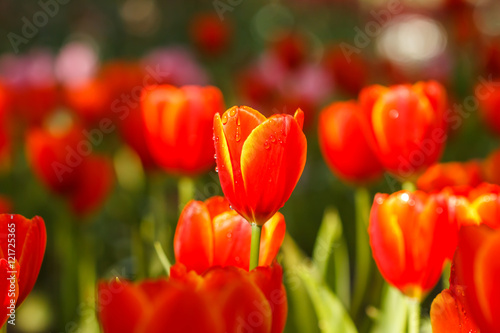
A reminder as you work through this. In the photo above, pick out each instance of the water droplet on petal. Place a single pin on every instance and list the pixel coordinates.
(216, 169)
(394, 114)
(238, 122)
(411, 202)
(232, 112)
(380, 201)
(272, 138)
(228, 235)
(439, 210)
(224, 118)
(215, 156)
(266, 145)
(230, 207)
(238, 135)
(216, 139)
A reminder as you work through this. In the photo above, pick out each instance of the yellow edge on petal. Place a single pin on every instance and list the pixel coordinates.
(223, 154)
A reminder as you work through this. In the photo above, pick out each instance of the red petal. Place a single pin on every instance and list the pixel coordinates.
(272, 161)
(273, 234)
(217, 205)
(232, 240)
(194, 238)
(31, 239)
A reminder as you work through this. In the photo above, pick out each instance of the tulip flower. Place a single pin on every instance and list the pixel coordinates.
(350, 72)
(30, 240)
(178, 126)
(211, 234)
(90, 100)
(220, 300)
(442, 175)
(9, 288)
(125, 80)
(209, 33)
(407, 125)
(476, 268)
(259, 160)
(342, 137)
(488, 96)
(411, 237)
(62, 159)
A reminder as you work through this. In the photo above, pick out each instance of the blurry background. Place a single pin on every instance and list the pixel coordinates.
(272, 55)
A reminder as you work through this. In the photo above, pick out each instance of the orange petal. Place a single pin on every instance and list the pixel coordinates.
(272, 161)
(194, 238)
(217, 205)
(273, 234)
(448, 315)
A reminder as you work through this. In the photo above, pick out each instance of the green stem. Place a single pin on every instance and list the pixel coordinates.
(363, 255)
(163, 258)
(255, 246)
(409, 186)
(138, 252)
(414, 315)
(446, 275)
(186, 191)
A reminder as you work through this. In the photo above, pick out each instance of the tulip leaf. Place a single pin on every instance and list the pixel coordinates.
(301, 310)
(331, 250)
(332, 315)
(392, 316)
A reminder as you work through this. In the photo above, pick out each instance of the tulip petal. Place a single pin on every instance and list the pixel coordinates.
(237, 124)
(194, 238)
(217, 205)
(121, 306)
(272, 160)
(31, 239)
(273, 234)
(232, 235)
(449, 315)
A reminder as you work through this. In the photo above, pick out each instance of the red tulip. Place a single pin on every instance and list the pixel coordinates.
(125, 81)
(30, 240)
(63, 160)
(449, 313)
(488, 96)
(259, 160)
(90, 100)
(349, 71)
(221, 300)
(9, 289)
(179, 126)
(477, 270)
(211, 234)
(406, 125)
(342, 137)
(411, 236)
(442, 175)
(209, 33)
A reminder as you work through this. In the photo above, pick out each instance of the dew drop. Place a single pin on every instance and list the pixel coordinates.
(439, 210)
(224, 118)
(232, 112)
(380, 200)
(215, 156)
(411, 202)
(238, 135)
(216, 169)
(272, 138)
(266, 145)
(230, 207)
(238, 122)
(394, 114)
(216, 139)
(229, 235)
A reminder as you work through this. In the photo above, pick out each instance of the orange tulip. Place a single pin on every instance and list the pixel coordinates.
(259, 160)
(221, 300)
(9, 289)
(30, 240)
(477, 270)
(342, 137)
(63, 160)
(411, 236)
(179, 126)
(443, 175)
(407, 125)
(211, 234)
